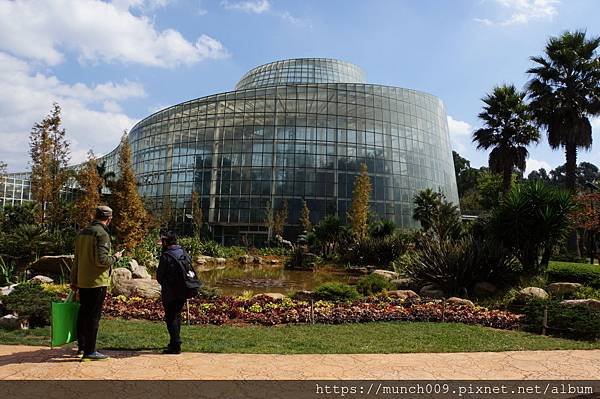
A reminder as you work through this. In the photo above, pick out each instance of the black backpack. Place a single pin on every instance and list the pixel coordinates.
(187, 279)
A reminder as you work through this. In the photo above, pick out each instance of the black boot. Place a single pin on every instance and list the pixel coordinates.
(172, 350)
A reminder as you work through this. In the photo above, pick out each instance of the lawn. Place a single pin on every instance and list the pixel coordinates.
(381, 337)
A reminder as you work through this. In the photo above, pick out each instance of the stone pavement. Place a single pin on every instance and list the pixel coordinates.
(28, 362)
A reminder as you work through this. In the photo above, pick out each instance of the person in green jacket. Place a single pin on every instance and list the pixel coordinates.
(90, 275)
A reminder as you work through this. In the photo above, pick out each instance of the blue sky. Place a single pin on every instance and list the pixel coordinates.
(111, 63)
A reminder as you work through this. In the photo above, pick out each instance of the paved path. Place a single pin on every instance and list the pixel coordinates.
(27, 362)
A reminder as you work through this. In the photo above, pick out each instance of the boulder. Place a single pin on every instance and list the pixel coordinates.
(532, 293)
(403, 294)
(220, 261)
(257, 260)
(304, 295)
(133, 264)
(563, 288)
(7, 290)
(484, 289)
(403, 283)
(272, 295)
(274, 261)
(59, 264)
(141, 272)
(149, 289)
(460, 301)
(592, 304)
(41, 279)
(121, 274)
(388, 274)
(245, 259)
(431, 291)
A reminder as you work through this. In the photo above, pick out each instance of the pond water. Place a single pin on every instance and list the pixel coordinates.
(234, 280)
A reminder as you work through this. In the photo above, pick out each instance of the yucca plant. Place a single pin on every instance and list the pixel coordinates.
(531, 219)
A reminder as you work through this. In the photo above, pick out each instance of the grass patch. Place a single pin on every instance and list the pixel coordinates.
(389, 337)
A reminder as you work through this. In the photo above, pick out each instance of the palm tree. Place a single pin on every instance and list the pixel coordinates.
(565, 92)
(508, 131)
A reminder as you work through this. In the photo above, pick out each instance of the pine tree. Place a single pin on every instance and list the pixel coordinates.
(130, 217)
(280, 219)
(197, 215)
(50, 154)
(90, 183)
(358, 215)
(305, 217)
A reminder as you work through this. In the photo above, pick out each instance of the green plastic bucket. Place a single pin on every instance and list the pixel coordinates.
(64, 321)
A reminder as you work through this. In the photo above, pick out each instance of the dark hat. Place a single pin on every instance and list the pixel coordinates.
(103, 212)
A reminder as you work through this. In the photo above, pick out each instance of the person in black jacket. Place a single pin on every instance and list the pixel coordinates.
(173, 294)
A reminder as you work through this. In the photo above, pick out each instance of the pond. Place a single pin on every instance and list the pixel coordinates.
(234, 280)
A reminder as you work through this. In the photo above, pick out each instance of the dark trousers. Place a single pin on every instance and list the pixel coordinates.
(91, 301)
(173, 309)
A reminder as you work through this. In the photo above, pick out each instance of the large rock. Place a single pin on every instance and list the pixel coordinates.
(133, 264)
(121, 274)
(42, 280)
(592, 304)
(272, 295)
(7, 290)
(149, 289)
(257, 260)
(246, 259)
(403, 294)
(532, 293)
(563, 288)
(484, 289)
(403, 283)
(141, 272)
(388, 274)
(59, 264)
(431, 291)
(460, 301)
(220, 261)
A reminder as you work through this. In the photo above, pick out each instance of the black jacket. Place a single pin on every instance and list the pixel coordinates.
(169, 274)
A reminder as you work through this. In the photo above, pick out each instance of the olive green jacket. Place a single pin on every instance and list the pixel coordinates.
(93, 262)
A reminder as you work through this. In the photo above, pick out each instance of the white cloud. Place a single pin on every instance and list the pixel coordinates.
(522, 12)
(460, 134)
(91, 114)
(249, 6)
(97, 32)
(534, 164)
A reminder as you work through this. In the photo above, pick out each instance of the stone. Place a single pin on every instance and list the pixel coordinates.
(42, 279)
(403, 294)
(246, 259)
(403, 283)
(7, 290)
(272, 295)
(133, 264)
(484, 289)
(257, 260)
(532, 293)
(220, 261)
(592, 304)
(304, 295)
(121, 274)
(388, 274)
(431, 291)
(563, 288)
(149, 289)
(460, 301)
(274, 261)
(141, 272)
(59, 264)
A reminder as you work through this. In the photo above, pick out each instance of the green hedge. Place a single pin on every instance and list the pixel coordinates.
(336, 292)
(574, 273)
(568, 321)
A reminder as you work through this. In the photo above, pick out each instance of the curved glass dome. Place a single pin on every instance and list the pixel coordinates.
(301, 71)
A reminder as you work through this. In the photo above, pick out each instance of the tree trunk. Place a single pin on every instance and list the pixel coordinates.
(571, 166)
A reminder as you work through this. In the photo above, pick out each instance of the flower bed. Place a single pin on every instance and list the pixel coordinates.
(266, 311)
